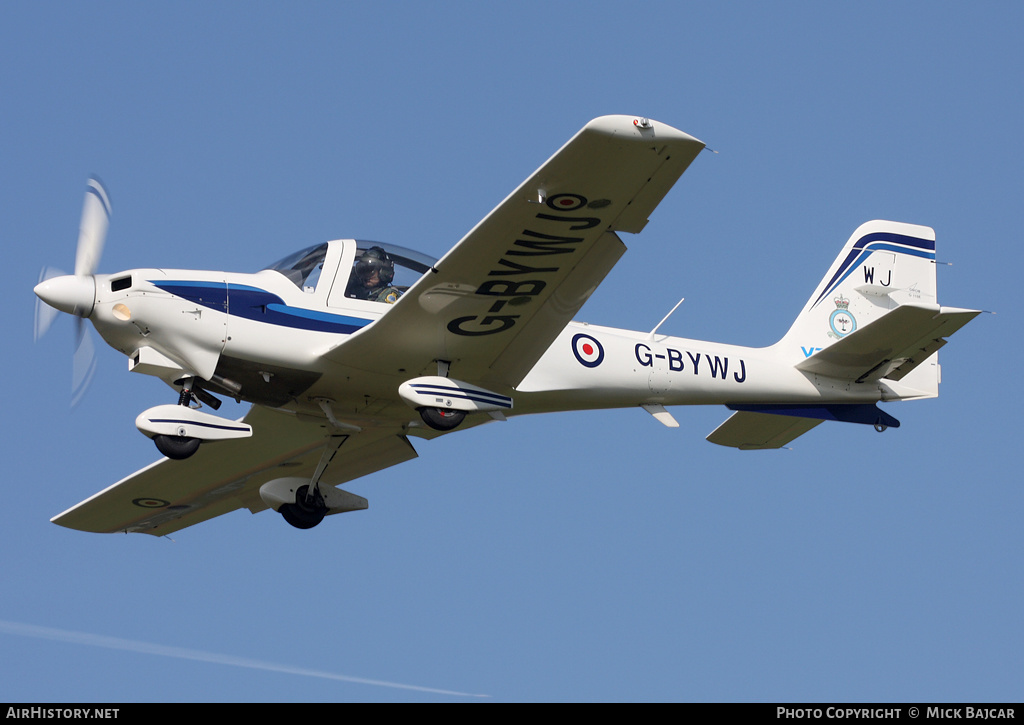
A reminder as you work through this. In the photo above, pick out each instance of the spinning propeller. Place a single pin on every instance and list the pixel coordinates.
(76, 294)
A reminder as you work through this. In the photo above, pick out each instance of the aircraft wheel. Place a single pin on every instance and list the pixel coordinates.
(303, 514)
(881, 427)
(176, 447)
(441, 419)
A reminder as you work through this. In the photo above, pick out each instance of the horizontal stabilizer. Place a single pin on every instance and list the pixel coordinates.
(758, 427)
(750, 431)
(843, 412)
(891, 346)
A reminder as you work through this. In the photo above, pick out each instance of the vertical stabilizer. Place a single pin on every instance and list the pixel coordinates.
(883, 265)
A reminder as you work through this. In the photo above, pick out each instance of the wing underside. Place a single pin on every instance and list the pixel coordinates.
(225, 476)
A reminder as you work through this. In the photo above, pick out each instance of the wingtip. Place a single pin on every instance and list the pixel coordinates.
(639, 126)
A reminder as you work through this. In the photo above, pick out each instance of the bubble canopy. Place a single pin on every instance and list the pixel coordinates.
(303, 268)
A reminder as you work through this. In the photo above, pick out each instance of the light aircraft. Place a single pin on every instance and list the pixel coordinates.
(347, 348)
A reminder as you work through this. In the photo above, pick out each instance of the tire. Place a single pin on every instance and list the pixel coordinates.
(303, 515)
(177, 448)
(441, 419)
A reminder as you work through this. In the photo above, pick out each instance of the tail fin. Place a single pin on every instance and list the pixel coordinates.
(873, 320)
(883, 265)
(886, 270)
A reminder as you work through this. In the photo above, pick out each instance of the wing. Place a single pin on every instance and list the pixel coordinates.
(498, 299)
(224, 476)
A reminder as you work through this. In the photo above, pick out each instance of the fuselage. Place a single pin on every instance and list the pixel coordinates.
(264, 337)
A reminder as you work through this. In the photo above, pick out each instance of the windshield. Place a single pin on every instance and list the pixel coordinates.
(383, 272)
(303, 267)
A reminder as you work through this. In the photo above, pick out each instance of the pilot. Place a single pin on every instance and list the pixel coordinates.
(372, 275)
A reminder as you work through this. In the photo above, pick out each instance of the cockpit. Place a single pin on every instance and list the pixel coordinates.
(372, 271)
(303, 268)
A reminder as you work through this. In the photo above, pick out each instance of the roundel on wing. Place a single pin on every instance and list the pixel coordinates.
(151, 503)
(566, 202)
(587, 350)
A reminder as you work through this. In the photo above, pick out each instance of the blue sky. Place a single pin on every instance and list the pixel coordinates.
(582, 556)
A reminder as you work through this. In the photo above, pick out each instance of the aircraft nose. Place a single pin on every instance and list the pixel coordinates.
(74, 294)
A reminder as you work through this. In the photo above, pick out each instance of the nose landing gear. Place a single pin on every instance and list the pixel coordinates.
(177, 430)
(179, 447)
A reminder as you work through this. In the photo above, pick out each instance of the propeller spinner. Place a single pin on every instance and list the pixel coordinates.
(76, 294)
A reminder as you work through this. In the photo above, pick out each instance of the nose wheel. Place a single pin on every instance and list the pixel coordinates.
(179, 447)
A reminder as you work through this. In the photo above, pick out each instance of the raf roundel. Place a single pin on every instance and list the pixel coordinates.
(587, 350)
(566, 202)
(151, 503)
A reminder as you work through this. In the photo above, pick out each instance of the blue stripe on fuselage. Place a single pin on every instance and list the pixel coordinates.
(253, 303)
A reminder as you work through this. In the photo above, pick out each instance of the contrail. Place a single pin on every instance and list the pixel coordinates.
(181, 653)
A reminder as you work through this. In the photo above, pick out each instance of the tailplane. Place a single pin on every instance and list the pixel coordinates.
(874, 320)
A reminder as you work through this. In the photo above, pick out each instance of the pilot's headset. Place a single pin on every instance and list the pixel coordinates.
(375, 259)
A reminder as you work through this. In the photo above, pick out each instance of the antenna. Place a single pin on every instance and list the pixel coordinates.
(651, 336)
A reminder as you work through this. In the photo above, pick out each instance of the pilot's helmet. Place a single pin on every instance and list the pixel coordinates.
(375, 259)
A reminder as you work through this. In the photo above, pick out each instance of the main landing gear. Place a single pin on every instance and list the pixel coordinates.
(444, 402)
(308, 510)
(176, 447)
(303, 502)
(442, 419)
